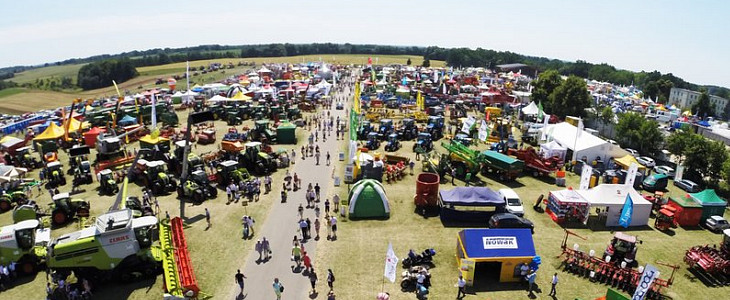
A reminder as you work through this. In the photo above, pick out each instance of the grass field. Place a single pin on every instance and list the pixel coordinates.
(19, 100)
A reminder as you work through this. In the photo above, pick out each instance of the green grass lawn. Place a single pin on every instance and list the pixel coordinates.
(11, 91)
(47, 72)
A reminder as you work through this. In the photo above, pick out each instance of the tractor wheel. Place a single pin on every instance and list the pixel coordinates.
(59, 217)
(198, 196)
(115, 189)
(213, 191)
(83, 212)
(28, 266)
(5, 205)
(156, 188)
(535, 173)
(180, 192)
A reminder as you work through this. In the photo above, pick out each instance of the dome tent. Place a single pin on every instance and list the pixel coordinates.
(368, 200)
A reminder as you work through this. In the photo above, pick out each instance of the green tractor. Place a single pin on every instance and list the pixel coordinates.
(228, 171)
(82, 173)
(64, 209)
(54, 174)
(108, 186)
(156, 178)
(13, 198)
(175, 163)
(255, 160)
(25, 160)
(117, 247)
(24, 243)
(261, 132)
(293, 113)
(197, 187)
(138, 208)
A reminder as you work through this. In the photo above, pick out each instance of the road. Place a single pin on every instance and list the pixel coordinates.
(281, 226)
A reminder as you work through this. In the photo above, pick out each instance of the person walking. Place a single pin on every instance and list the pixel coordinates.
(297, 253)
(266, 248)
(327, 206)
(531, 281)
(336, 202)
(303, 229)
(316, 158)
(207, 218)
(307, 261)
(316, 211)
(554, 283)
(333, 221)
(328, 158)
(461, 284)
(328, 223)
(316, 191)
(278, 288)
(301, 211)
(309, 228)
(330, 279)
(316, 229)
(239, 279)
(293, 156)
(259, 249)
(313, 280)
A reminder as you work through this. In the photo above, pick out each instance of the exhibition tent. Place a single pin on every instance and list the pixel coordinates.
(612, 197)
(470, 199)
(52, 132)
(712, 204)
(551, 149)
(530, 109)
(495, 253)
(368, 200)
(586, 145)
(626, 161)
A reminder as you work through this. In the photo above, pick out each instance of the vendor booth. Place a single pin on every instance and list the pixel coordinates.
(610, 199)
(567, 205)
(493, 254)
(626, 161)
(712, 204)
(552, 149)
(469, 204)
(688, 212)
(368, 200)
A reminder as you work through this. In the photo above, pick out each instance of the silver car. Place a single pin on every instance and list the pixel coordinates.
(666, 170)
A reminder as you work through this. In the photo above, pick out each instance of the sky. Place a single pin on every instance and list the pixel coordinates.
(687, 38)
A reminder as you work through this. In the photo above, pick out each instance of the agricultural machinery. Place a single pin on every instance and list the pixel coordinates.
(435, 127)
(261, 132)
(228, 171)
(408, 130)
(365, 129)
(8, 200)
(393, 143)
(424, 143)
(206, 137)
(465, 160)
(25, 244)
(255, 160)
(535, 163)
(197, 187)
(108, 186)
(385, 128)
(373, 142)
(155, 177)
(64, 209)
(622, 248)
(138, 208)
(712, 261)
(54, 174)
(25, 160)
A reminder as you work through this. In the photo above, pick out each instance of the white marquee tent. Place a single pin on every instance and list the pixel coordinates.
(586, 146)
(612, 197)
(531, 109)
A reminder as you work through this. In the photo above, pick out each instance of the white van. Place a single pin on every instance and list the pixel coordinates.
(512, 201)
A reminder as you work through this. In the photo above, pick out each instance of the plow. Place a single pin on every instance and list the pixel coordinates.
(603, 271)
(711, 262)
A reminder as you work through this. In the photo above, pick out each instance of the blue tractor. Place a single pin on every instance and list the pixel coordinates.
(393, 143)
(365, 130)
(385, 129)
(435, 127)
(423, 143)
(373, 142)
(408, 130)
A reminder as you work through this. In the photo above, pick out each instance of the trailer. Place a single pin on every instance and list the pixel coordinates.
(504, 166)
(534, 163)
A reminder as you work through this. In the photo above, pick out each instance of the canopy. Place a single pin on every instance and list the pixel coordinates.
(613, 197)
(153, 140)
(240, 97)
(128, 119)
(709, 197)
(553, 148)
(218, 98)
(9, 141)
(77, 125)
(530, 109)
(625, 162)
(368, 200)
(52, 132)
(471, 196)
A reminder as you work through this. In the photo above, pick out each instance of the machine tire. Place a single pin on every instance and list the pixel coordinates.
(27, 266)
(198, 196)
(5, 205)
(180, 192)
(156, 188)
(83, 212)
(59, 217)
(213, 191)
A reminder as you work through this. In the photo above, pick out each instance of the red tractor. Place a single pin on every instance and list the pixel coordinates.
(711, 260)
(206, 137)
(622, 249)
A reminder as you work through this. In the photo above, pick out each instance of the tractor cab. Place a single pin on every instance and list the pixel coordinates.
(255, 160)
(137, 207)
(423, 143)
(622, 248)
(435, 126)
(365, 129)
(408, 129)
(156, 178)
(463, 139)
(393, 143)
(54, 173)
(229, 171)
(199, 177)
(24, 159)
(63, 208)
(261, 132)
(373, 141)
(294, 113)
(107, 182)
(385, 128)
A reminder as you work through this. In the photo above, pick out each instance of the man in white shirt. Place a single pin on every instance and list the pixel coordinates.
(461, 284)
(554, 283)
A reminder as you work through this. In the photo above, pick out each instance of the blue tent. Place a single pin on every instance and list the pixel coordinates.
(472, 197)
(510, 248)
(127, 120)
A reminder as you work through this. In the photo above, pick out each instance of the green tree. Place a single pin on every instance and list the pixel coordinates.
(408, 62)
(545, 84)
(678, 143)
(718, 156)
(571, 98)
(635, 131)
(703, 108)
(426, 62)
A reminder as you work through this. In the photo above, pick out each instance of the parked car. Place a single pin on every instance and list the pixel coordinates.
(646, 161)
(687, 185)
(508, 220)
(716, 223)
(512, 201)
(666, 170)
(633, 152)
(656, 182)
(339, 106)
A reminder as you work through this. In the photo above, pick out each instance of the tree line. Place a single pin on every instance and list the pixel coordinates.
(101, 74)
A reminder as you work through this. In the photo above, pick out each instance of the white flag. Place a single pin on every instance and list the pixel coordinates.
(631, 174)
(483, 133)
(580, 128)
(391, 263)
(154, 111)
(545, 121)
(468, 123)
(585, 177)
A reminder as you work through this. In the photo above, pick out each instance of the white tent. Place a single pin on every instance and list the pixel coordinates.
(612, 197)
(530, 109)
(587, 146)
(552, 148)
(217, 98)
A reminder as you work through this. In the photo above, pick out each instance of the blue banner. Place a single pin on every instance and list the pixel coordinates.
(626, 212)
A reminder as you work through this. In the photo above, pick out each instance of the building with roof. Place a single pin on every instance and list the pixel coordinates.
(494, 255)
(587, 146)
(685, 98)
